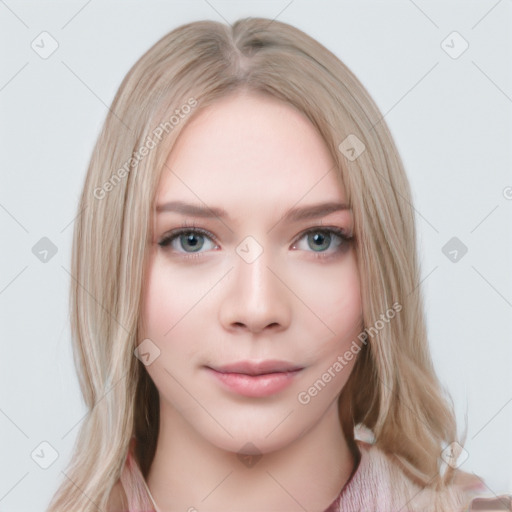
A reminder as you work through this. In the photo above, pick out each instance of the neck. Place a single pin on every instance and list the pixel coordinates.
(188, 473)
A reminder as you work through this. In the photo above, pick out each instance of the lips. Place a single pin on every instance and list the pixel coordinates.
(255, 379)
(253, 368)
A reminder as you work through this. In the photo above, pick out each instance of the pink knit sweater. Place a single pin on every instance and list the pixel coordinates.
(377, 485)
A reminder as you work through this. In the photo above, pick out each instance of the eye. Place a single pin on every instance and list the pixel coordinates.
(323, 240)
(188, 240)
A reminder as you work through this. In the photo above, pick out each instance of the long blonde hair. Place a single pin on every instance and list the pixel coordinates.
(392, 390)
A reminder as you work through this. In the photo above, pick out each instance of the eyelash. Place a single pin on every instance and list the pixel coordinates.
(169, 237)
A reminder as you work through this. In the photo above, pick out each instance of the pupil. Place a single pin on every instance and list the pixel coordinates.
(321, 241)
(192, 240)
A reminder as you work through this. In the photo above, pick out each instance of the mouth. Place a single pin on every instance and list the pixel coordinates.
(255, 379)
(253, 368)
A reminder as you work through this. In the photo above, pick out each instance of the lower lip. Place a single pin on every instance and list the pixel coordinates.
(255, 385)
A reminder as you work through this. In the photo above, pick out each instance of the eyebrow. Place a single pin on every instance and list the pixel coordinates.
(301, 213)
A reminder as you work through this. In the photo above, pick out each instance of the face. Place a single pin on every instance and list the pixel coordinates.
(253, 292)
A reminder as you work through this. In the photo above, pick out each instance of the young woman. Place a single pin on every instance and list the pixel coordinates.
(246, 314)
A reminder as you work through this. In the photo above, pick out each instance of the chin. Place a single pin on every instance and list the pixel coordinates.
(252, 439)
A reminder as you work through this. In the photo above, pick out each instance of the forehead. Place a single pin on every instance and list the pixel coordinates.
(250, 147)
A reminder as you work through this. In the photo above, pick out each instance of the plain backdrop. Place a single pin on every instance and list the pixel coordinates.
(449, 110)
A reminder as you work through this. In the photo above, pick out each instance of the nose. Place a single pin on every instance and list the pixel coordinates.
(256, 298)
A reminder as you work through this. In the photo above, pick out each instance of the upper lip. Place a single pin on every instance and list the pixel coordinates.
(257, 367)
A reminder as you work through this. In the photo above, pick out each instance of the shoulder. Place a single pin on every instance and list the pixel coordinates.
(380, 483)
(117, 501)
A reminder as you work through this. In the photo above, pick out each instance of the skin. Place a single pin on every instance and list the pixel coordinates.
(256, 157)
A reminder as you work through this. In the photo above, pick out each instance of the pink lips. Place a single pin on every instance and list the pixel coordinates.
(256, 379)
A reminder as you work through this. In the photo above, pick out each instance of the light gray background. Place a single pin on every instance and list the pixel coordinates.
(452, 121)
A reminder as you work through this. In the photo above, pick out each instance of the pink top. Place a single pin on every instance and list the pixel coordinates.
(379, 485)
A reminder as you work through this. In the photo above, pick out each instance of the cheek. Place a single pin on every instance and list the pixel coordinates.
(169, 320)
(157, 311)
(346, 311)
(168, 298)
(174, 315)
(334, 294)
